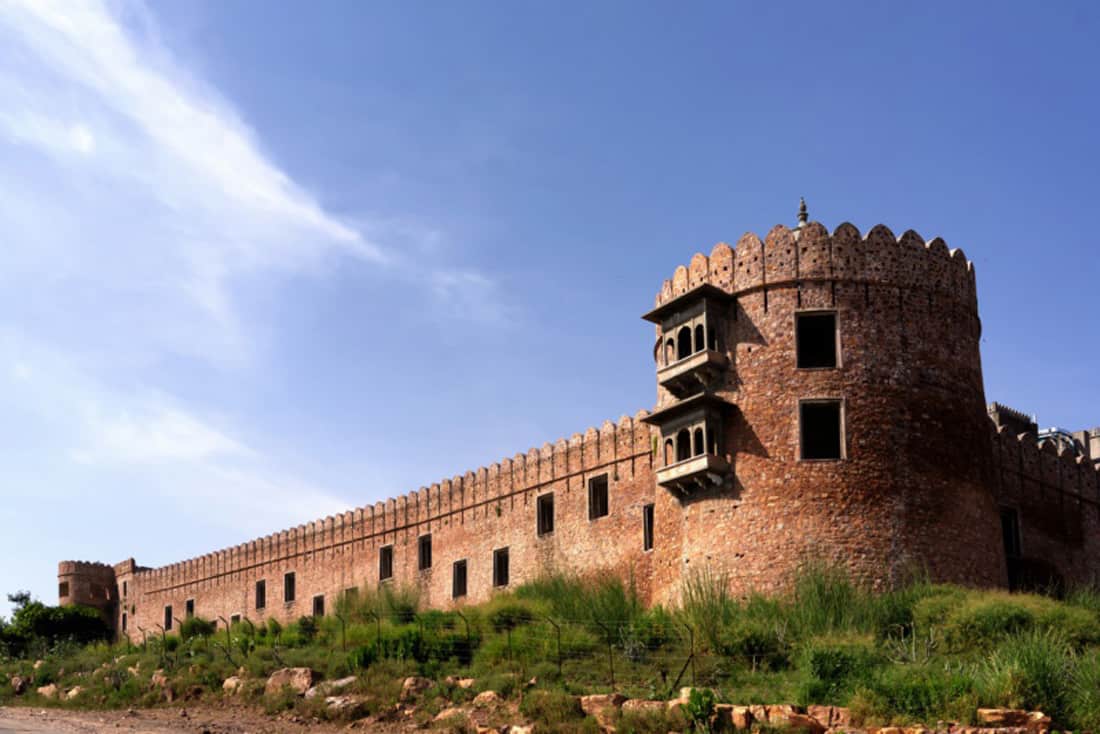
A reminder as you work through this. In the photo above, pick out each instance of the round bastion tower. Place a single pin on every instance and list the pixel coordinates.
(820, 395)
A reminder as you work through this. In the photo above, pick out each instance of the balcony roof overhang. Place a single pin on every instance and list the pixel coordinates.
(704, 290)
(702, 400)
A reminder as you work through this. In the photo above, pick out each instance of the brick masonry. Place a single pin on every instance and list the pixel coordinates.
(922, 485)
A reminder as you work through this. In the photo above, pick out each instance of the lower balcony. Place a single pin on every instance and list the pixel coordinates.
(697, 472)
(693, 373)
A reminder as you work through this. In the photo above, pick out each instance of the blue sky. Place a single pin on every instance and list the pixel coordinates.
(267, 262)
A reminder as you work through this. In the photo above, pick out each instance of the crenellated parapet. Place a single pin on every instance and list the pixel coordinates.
(810, 254)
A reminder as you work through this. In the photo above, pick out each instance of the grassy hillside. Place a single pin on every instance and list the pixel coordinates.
(921, 653)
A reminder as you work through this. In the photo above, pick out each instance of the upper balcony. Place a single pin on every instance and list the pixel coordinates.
(691, 354)
(696, 372)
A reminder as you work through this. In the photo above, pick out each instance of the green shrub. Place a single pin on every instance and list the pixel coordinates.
(195, 627)
(919, 693)
(756, 644)
(645, 722)
(1031, 670)
(707, 606)
(834, 668)
(823, 599)
(699, 709)
(551, 707)
(509, 614)
(1084, 692)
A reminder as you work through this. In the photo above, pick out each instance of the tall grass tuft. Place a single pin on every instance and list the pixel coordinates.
(1031, 670)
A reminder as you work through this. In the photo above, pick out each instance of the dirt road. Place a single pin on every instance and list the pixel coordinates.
(23, 720)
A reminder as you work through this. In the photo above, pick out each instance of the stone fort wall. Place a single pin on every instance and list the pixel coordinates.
(923, 483)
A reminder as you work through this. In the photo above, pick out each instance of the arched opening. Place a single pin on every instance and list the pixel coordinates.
(712, 338)
(683, 342)
(670, 451)
(670, 351)
(700, 343)
(698, 442)
(683, 445)
(712, 441)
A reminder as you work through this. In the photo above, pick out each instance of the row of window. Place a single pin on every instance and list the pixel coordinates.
(816, 342)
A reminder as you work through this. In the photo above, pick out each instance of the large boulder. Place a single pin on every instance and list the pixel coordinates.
(331, 687)
(454, 713)
(346, 707)
(487, 699)
(18, 685)
(413, 686)
(642, 706)
(49, 691)
(603, 707)
(832, 717)
(298, 680)
(1002, 717)
(232, 685)
(730, 717)
(74, 692)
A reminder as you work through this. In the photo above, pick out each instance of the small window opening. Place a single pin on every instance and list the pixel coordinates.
(597, 497)
(261, 594)
(288, 587)
(712, 339)
(683, 342)
(821, 430)
(168, 618)
(647, 527)
(683, 445)
(458, 579)
(816, 340)
(319, 605)
(700, 449)
(670, 451)
(670, 351)
(125, 590)
(544, 511)
(424, 552)
(189, 608)
(385, 562)
(500, 567)
(700, 338)
(63, 588)
(234, 619)
(712, 441)
(124, 621)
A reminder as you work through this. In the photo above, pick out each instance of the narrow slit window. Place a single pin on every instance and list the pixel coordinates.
(545, 514)
(124, 621)
(125, 587)
(647, 527)
(597, 497)
(288, 587)
(816, 340)
(189, 608)
(261, 594)
(168, 618)
(458, 580)
(319, 605)
(424, 552)
(821, 430)
(385, 562)
(500, 567)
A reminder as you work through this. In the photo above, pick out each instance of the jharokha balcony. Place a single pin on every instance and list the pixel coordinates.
(694, 373)
(692, 434)
(696, 472)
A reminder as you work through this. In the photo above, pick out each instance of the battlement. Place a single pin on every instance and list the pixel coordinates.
(481, 490)
(70, 568)
(809, 253)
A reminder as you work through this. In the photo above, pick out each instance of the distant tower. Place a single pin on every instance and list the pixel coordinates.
(89, 584)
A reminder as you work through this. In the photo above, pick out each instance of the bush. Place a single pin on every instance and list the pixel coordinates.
(197, 627)
(551, 707)
(1031, 670)
(917, 693)
(756, 644)
(509, 614)
(835, 668)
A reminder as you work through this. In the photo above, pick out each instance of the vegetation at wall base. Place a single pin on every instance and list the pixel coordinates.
(919, 653)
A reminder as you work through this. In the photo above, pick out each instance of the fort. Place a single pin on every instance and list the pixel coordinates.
(817, 395)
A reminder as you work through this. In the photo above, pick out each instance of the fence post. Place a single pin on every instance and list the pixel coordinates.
(557, 629)
(610, 653)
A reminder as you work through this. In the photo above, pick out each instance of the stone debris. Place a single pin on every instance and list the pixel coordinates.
(413, 686)
(298, 680)
(232, 685)
(603, 707)
(49, 691)
(345, 706)
(486, 699)
(332, 687)
(18, 685)
(73, 693)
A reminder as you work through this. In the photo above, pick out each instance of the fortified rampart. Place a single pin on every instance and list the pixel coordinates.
(817, 394)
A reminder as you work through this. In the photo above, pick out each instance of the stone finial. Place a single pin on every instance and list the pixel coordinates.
(803, 215)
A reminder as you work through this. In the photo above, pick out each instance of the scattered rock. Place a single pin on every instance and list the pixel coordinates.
(639, 705)
(349, 707)
(780, 714)
(1038, 723)
(299, 680)
(18, 684)
(331, 687)
(520, 729)
(486, 699)
(728, 716)
(413, 686)
(454, 712)
(38, 664)
(1002, 717)
(466, 683)
(603, 707)
(832, 717)
(805, 723)
(232, 685)
(73, 693)
(49, 691)
(158, 679)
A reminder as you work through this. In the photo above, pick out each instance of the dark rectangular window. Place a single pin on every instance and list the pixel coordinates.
(124, 621)
(458, 579)
(815, 337)
(544, 511)
(821, 429)
(385, 562)
(424, 552)
(168, 618)
(647, 527)
(319, 605)
(597, 497)
(500, 567)
(1010, 530)
(189, 608)
(261, 594)
(124, 588)
(351, 594)
(63, 588)
(288, 587)
(234, 619)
